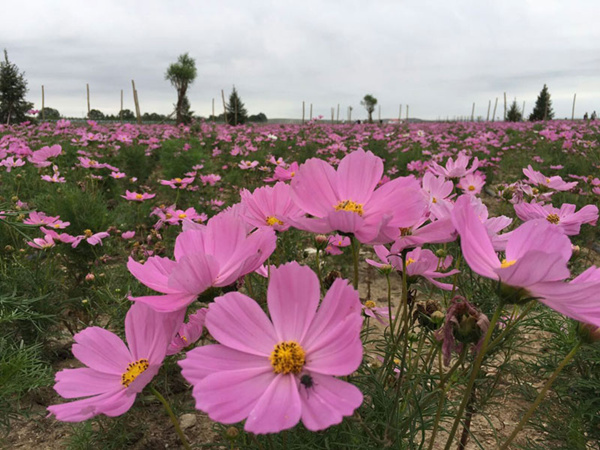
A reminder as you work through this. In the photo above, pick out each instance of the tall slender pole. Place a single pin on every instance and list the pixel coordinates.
(121, 110)
(302, 111)
(337, 117)
(224, 106)
(400, 113)
(495, 106)
(473, 113)
(88, 97)
(332, 112)
(505, 106)
(349, 113)
(213, 109)
(136, 102)
(523, 114)
(43, 103)
(310, 115)
(573, 111)
(406, 113)
(489, 107)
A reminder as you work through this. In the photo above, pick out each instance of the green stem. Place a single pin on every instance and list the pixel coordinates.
(474, 373)
(511, 325)
(541, 396)
(174, 420)
(355, 244)
(318, 263)
(389, 301)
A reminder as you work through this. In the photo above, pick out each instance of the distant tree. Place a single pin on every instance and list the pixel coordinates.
(13, 87)
(260, 118)
(543, 106)
(514, 114)
(128, 114)
(96, 115)
(236, 111)
(49, 114)
(153, 117)
(186, 114)
(181, 75)
(369, 103)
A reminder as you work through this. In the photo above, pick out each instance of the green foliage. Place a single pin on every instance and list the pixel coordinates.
(96, 115)
(236, 111)
(369, 103)
(543, 107)
(181, 75)
(259, 118)
(13, 88)
(49, 114)
(514, 114)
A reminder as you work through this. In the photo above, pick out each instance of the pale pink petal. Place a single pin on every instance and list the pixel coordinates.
(314, 188)
(112, 404)
(154, 273)
(101, 350)
(534, 267)
(83, 382)
(538, 235)
(357, 176)
(203, 361)
(166, 303)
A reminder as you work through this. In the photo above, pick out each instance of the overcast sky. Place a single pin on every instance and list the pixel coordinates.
(437, 56)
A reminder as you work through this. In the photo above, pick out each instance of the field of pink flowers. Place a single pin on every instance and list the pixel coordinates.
(424, 286)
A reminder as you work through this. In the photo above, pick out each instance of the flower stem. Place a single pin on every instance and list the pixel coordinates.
(389, 302)
(474, 373)
(355, 244)
(174, 420)
(541, 396)
(318, 264)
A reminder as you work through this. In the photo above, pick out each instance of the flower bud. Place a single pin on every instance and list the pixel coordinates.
(90, 277)
(588, 333)
(441, 253)
(232, 432)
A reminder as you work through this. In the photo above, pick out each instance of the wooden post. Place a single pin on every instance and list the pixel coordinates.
(337, 118)
(400, 113)
(489, 107)
(495, 106)
(332, 112)
(43, 103)
(473, 113)
(406, 113)
(136, 102)
(88, 98)
(523, 111)
(224, 107)
(121, 110)
(302, 111)
(213, 109)
(349, 113)
(573, 111)
(505, 106)
(310, 116)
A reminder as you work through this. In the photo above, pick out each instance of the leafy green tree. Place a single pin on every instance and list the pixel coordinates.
(260, 118)
(128, 114)
(181, 75)
(49, 114)
(514, 114)
(236, 111)
(369, 103)
(13, 87)
(96, 115)
(543, 106)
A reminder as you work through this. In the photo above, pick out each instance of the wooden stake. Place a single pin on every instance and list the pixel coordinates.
(332, 112)
(303, 112)
(406, 113)
(224, 107)
(400, 113)
(88, 98)
(213, 109)
(573, 111)
(136, 103)
(489, 107)
(310, 112)
(523, 110)
(43, 103)
(121, 111)
(505, 106)
(349, 113)
(337, 119)
(495, 106)
(473, 113)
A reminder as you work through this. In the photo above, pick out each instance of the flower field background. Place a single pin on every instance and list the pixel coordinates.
(213, 268)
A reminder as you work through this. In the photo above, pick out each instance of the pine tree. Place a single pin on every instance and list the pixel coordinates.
(543, 106)
(13, 87)
(236, 111)
(369, 103)
(514, 114)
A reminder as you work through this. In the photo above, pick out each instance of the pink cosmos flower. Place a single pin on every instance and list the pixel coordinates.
(128, 234)
(335, 242)
(39, 218)
(118, 175)
(270, 207)
(136, 197)
(455, 169)
(245, 165)
(419, 262)
(438, 190)
(535, 265)
(215, 254)
(55, 178)
(274, 373)
(347, 200)
(435, 232)
(210, 179)
(115, 373)
(62, 237)
(284, 174)
(564, 217)
(472, 183)
(178, 183)
(11, 163)
(90, 237)
(189, 332)
(90, 163)
(40, 157)
(556, 183)
(380, 313)
(42, 243)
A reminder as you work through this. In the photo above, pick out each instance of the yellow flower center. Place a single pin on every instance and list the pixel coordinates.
(168, 215)
(471, 188)
(287, 357)
(93, 163)
(178, 180)
(134, 370)
(370, 304)
(139, 196)
(409, 261)
(88, 233)
(293, 174)
(433, 200)
(349, 205)
(273, 221)
(405, 231)
(506, 263)
(553, 218)
(182, 216)
(547, 180)
(56, 225)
